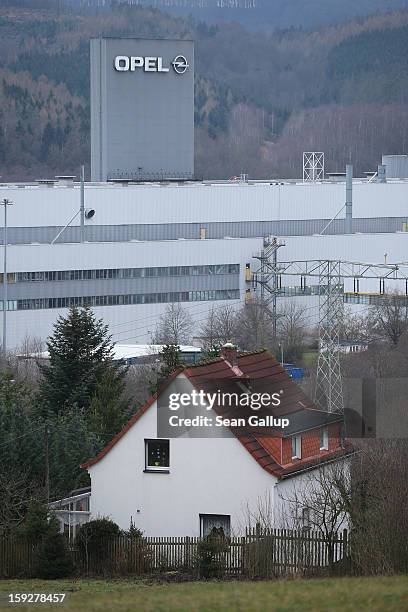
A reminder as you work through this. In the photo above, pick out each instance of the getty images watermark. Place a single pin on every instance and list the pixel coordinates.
(373, 408)
(199, 413)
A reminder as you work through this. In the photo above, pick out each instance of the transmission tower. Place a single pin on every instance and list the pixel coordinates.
(331, 275)
(328, 392)
(268, 274)
(329, 389)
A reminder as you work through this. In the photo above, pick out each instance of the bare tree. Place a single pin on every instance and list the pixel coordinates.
(141, 380)
(25, 361)
(16, 490)
(254, 326)
(292, 329)
(355, 326)
(390, 317)
(321, 502)
(208, 330)
(226, 322)
(175, 326)
(379, 506)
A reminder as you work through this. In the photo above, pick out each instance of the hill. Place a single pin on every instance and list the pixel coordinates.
(256, 13)
(261, 97)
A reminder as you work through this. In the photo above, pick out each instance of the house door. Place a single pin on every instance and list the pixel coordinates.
(214, 523)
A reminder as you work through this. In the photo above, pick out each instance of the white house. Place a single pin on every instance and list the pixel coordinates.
(178, 486)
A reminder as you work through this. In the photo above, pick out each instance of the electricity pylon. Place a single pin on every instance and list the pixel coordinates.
(268, 274)
(331, 275)
(329, 388)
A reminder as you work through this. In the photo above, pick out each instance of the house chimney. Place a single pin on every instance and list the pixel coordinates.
(229, 353)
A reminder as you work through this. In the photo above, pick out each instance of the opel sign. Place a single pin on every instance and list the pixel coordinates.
(125, 63)
(180, 64)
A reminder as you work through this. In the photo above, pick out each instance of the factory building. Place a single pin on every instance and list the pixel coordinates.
(142, 108)
(146, 245)
(144, 233)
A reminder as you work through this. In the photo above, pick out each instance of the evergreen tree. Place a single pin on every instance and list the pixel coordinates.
(211, 352)
(21, 441)
(41, 527)
(170, 356)
(71, 441)
(38, 522)
(48, 138)
(80, 352)
(107, 413)
(54, 560)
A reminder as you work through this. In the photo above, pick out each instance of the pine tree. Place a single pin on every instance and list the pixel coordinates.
(48, 138)
(54, 560)
(107, 413)
(81, 355)
(71, 441)
(40, 527)
(170, 355)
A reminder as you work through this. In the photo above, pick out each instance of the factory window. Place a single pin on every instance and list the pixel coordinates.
(150, 272)
(115, 300)
(73, 275)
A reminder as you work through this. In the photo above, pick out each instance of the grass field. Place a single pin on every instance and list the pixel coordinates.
(379, 594)
(310, 358)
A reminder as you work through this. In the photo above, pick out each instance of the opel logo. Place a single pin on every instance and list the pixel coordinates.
(180, 64)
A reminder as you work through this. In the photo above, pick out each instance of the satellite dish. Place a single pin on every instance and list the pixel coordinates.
(89, 213)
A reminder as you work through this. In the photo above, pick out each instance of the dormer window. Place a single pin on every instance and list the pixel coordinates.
(296, 447)
(324, 438)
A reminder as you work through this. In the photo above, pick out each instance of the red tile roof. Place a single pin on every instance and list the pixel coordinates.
(265, 374)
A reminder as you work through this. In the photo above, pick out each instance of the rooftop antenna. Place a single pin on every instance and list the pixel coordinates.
(313, 166)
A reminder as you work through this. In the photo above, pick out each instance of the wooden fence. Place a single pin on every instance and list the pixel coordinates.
(263, 554)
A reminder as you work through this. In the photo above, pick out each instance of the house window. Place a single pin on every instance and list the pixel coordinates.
(157, 455)
(324, 438)
(215, 524)
(296, 447)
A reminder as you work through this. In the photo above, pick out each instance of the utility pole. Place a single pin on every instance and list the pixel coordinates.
(47, 463)
(82, 204)
(6, 202)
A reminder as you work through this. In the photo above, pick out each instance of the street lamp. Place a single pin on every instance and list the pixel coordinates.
(281, 353)
(6, 202)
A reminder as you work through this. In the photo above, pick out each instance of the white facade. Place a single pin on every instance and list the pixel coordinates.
(163, 215)
(127, 323)
(37, 205)
(207, 476)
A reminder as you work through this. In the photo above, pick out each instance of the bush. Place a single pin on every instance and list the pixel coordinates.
(138, 556)
(211, 556)
(42, 529)
(53, 559)
(92, 536)
(39, 522)
(95, 541)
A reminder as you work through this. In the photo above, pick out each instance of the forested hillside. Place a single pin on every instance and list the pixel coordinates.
(250, 13)
(261, 97)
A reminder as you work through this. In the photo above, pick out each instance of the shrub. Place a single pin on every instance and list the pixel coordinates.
(133, 532)
(40, 527)
(94, 542)
(211, 556)
(53, 559)
(92, 536)
(138, 553)
(39, 522)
